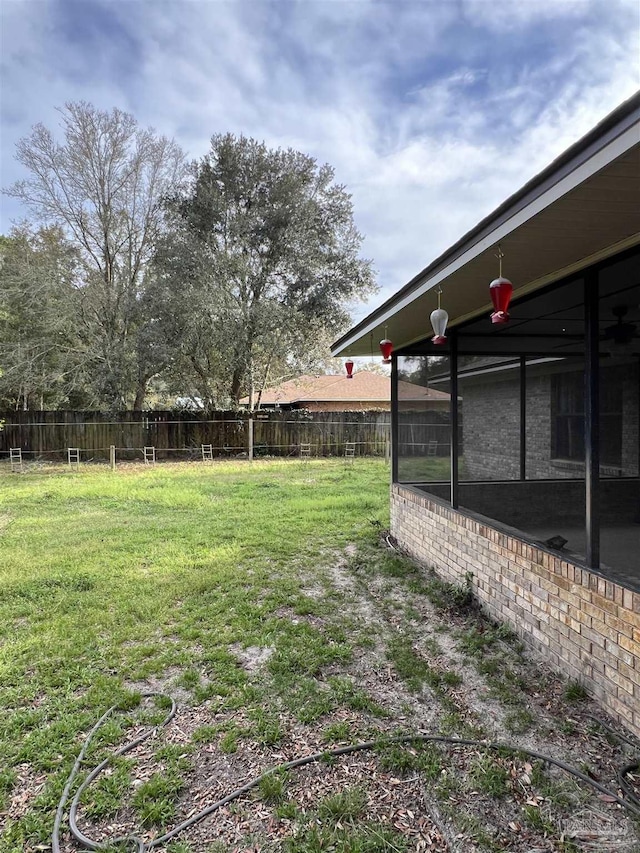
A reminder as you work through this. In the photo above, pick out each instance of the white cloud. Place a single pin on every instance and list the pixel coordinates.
(431, 113)
(505, 15)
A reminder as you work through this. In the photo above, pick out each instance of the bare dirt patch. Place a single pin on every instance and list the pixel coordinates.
(251, 658)
(166, 684)
(29, 785)
(415, 668)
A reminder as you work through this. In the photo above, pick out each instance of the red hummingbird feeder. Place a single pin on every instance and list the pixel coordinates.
(348, 366)
(500, 290)
(386, 347)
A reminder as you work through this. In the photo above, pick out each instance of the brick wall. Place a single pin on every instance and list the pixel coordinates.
(490, 414)
(490, 411)
(630, 421)
(584, 626)
(491, 429)
(538, 463)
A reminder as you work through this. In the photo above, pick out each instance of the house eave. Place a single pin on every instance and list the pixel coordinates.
(601, 168)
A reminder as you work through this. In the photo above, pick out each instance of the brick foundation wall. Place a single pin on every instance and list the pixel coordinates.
(585, 627)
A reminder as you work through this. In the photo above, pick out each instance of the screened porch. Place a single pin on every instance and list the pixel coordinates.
(542, 435)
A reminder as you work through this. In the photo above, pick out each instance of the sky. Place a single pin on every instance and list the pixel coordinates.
(431, 112)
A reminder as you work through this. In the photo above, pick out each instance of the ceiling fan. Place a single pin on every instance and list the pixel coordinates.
(620, 333)
(619, 339)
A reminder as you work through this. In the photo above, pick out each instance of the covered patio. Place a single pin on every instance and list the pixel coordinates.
(537, 492)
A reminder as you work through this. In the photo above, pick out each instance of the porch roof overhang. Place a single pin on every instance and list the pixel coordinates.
(583, 208)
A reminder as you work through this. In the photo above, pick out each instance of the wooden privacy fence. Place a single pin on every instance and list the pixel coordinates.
(424, 433)
(181, 435)
(48, 433)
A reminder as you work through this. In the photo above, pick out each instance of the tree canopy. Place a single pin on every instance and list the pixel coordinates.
(104, 187)
(40, 354)
(264, 246)
(207, 281)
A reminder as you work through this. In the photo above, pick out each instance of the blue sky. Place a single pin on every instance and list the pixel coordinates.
(432, 112)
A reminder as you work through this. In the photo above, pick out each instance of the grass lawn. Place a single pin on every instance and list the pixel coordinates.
(424, 469)
(109, 579)
(260, 597)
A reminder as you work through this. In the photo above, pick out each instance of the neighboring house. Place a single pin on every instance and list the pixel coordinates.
(363, 392)
(540, 499)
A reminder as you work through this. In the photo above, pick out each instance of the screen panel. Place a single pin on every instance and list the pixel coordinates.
(423, 442)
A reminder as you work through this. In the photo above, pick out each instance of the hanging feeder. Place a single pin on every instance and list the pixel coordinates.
(348, 366)
(386, 346)
(439, 319)
(500, 290)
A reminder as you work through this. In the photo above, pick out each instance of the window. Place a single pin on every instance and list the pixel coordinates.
(611, 407)
(567, 416)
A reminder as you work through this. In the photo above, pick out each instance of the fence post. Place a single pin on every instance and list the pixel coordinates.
(250, 424)
(112, 457)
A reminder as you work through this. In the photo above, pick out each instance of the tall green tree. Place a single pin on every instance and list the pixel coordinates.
(104, 185)
(41, 356)
(263, 250)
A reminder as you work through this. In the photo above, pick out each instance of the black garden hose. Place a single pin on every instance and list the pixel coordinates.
(87, 842)
(627, 769)
(630, 802)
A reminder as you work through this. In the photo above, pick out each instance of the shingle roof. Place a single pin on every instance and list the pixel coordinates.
(363, 386)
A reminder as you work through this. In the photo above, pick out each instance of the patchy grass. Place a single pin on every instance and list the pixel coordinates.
(415, 670)
(259, 596)
(108, 794)
(337, 733)
(109, 580)
(155, 800)
(519, 721)
(344, 806)
(575, 692)
(489, 776)
(273, 787)
(369, 838)
(421, 758)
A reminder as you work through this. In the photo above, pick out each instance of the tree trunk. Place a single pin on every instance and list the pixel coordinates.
(265, 380)
(236, 384)
(141, 393)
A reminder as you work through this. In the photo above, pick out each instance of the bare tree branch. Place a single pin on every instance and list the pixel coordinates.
(104, 186)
